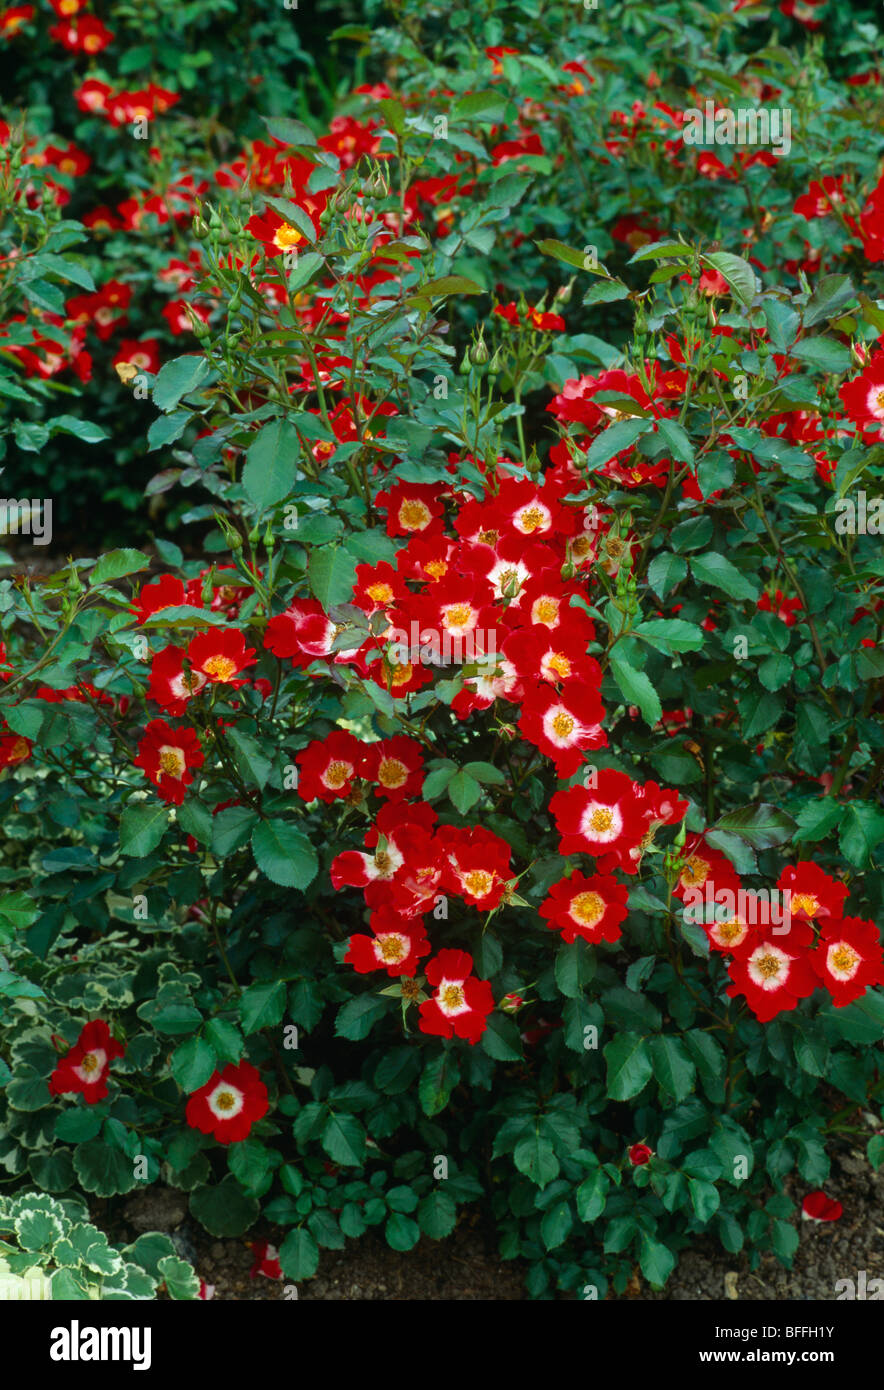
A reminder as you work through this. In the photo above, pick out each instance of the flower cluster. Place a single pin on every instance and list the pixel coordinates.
(780, 957)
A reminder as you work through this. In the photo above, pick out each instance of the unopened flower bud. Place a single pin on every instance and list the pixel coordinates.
(478, 353)
(200, 329)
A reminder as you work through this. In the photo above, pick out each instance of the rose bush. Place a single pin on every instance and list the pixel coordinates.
(536, 495)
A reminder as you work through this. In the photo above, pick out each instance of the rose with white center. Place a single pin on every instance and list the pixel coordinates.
(601, 823)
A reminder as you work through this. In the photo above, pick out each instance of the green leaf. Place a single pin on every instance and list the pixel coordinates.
(501, 1039)
(657, 1261)
(401, 1198)
(262, 1006)
(179, 378)
(438, 1079)
(358, 1016)
(710, 1062)
(289, 131)
(26, 718)
(485, 772)
(592, 1195)
(196, 819)
(18, 909)
(738, 273)
(636, 688)
(776, 671)
(224, 1209)
(68, 1287)
(817, 819)
(142, 826)
(401, 1232)
(824, 354)
(193, 1062)
(693, 534)
(231, 829)
(179, 1277)
(299, 1255)
(875, 1151)
(861, 832)
(666, 250)
(117, 563)
(343, 1139)
(165, 429)
(555, 1227)
(677, 441)
(78, 1124)
(715, 473)
(37, 1230)
(718, 572)
(52, 1172)
(86, 1245)
(665, 571)
(268, 474)
(569, 255)
(758, 711)
(437, 1215)
(535, 1158)
(441, 288)
(284, 854)
(463, 791)
(606, 292)
(830, 295)
(705, 1199)
(629, 1066)
(671, 635)
(488, 105)
(574, 968)
(103, 1169)
(784, 1241)
(331, 572)
(673, 1068)
(225, 1039)
(615, 439)
(252, 763)
(178, 1017)
(251, 1163)
(762, 826)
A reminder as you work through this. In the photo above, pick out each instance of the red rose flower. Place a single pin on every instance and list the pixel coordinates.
(773, 973)
(639, 1154)
(600, 820)
(165, 592)
(84, 1069)
(220, 656)
(461, 1004)
(785, 608)
(813, 895)
(848, 958)
(564, 726)
(86, 35)
(591, 908)
(144, 355)
(168, 756)
(396, 945)
(818, 1207)
(171, 686)
(229, 1104)
(14, 749)
(328, 766)
(395, 766)
(266, 1260)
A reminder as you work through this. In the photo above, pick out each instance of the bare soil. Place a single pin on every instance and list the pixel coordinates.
(466, 1267)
